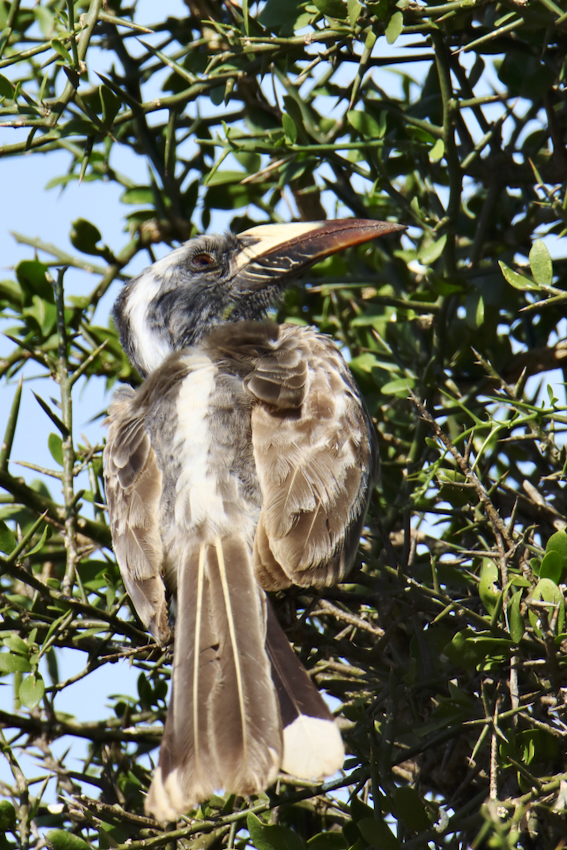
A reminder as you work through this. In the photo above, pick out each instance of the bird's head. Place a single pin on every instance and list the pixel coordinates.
(210, 280)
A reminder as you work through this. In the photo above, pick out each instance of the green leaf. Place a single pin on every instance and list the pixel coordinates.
(43, 313)
(268, 837)
(32, 277)
(7, 816)
(399, 387)
(61, 839)
(525, 75)
(378, 834)
(354, 10)
(8, 540)
(55, 446)
(547, 591)
(365, 124)
(15, 644)
(6, 88)
(293, 109)
(467, 649)
(364, 363)
(437, 151)
(474, 305)
(222, 178)
(62, 180)
(43, 86)
(518, 281)
(61, 50)
(85, 236)
(410, 809)
(537, 746)
(11, 292)
(394, 28)
(487, 589)
(79, 127)
(540, 263)
(360, 810)
(519, 581)
(558, 543)
(290, 129)
(46, 534)
(515, 620)
(332, 8)
(533, 753)
(32, 690)
(431, 251)
(281, 15)
(11, 663)
(552, 566)
(138, 195)
(327, 841)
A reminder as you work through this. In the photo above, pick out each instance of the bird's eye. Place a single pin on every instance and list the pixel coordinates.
(203, 261)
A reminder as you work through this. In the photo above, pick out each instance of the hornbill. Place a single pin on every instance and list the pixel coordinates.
(242, 464)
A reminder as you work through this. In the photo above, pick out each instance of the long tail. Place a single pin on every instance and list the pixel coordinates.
(313, 747)
(223, 728)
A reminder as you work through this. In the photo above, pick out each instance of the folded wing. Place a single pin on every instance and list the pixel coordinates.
(314, 446)
(133, 484)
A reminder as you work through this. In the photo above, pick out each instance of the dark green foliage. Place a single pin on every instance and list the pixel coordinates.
(446, 648)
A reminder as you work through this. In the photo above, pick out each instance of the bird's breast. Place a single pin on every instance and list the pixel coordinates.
(210, 481)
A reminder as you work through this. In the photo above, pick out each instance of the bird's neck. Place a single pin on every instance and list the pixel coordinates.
(156, 318)
(151, 331)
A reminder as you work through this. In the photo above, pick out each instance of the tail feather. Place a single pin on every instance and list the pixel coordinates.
(244, 711)
(185, 774)
(313, 747)
(223, 728)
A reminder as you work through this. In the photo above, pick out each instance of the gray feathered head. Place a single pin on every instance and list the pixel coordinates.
(223, 278)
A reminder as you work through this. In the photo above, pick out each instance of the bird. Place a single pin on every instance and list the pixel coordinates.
(242, 464)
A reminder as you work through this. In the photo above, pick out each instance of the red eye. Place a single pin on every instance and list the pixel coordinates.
(203, 261)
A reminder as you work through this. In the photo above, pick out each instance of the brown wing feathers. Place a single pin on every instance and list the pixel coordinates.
(133, 490)
(315, 465)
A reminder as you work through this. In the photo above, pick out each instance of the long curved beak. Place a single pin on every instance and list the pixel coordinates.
(283, 251)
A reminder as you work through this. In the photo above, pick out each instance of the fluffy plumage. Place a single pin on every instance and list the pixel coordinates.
(243, 463)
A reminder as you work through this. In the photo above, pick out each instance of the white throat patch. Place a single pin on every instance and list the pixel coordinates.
(151, 349)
